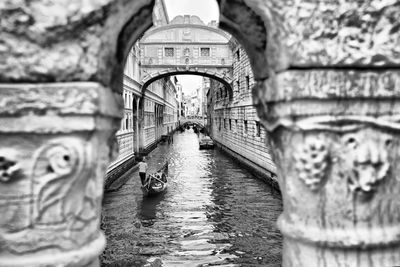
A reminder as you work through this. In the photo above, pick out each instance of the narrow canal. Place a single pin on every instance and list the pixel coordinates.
(214, 213)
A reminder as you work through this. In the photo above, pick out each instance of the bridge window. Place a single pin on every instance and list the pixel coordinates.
(245, 127)
(248, 83)
(186, 52)
(230, 124)
(169, 51)
(205, 51)
(258, 129)
(238, 55)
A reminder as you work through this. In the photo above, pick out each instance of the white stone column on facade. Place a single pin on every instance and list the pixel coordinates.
(57, 140)
(137, 141)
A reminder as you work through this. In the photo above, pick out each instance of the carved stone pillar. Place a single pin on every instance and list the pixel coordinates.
(336, 141)
(56, 141)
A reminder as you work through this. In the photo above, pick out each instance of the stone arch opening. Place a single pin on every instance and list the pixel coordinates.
(79, 53)
(171, 72)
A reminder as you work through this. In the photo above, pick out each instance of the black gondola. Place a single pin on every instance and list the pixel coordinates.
(156, 183)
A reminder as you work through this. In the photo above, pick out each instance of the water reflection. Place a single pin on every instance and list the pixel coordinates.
(213, 213)
(147, 209)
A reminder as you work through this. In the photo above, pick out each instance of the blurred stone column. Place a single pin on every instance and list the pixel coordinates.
(335, 139)
(56, 141)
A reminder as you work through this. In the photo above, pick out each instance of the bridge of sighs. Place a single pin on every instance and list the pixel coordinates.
(186, 46)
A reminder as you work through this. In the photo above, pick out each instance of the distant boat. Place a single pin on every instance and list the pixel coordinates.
(156, 183)
(206, 143)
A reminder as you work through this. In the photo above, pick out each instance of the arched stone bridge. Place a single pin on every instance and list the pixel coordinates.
(198, 121)
(186, 46)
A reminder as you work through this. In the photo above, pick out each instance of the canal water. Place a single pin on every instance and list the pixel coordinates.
(214, 213)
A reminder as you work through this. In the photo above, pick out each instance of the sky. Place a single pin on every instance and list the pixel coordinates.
(207, 10)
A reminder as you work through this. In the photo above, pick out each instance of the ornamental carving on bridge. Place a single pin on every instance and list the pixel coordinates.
(311, 161)
(366, 160)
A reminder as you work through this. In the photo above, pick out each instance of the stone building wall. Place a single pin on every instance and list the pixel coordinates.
(234, 121)
(133, 136)
(159, 108)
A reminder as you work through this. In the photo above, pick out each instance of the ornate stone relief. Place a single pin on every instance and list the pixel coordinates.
(64, 196)
(51, 178)
(322, 84)
(62, 98)
(366, 160)
(311, 161)
(9, 166)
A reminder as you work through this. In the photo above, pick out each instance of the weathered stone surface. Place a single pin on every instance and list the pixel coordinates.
(70, 41)
(316, 33)
(335, 137)
(63, 40)
(52, 171)
(340, 33)
(353, 208)
(322, 84)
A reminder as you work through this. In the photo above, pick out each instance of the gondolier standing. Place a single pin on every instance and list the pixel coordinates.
(143, 170)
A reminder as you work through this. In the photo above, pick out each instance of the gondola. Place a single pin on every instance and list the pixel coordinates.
(156, 183)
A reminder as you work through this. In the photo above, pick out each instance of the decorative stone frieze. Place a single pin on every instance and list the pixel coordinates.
(336, 152)
(54, 152)
(312, 162)
(366, 161)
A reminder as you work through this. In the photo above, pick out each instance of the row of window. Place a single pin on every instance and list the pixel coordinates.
(222, 92)
(227, 124)
(128, 100)
(127, 123)
(170, 51)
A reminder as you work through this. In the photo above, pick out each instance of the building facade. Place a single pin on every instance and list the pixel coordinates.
(232, 119)
(149, 112)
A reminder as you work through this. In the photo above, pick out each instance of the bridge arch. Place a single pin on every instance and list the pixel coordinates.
(221, 77)
(187, 46)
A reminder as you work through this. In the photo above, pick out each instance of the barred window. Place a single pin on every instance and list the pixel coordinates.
(205, 52)
(258, 129)
(169, 51)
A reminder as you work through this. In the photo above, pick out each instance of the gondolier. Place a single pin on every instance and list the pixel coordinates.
(143, 170)
(156, 183)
